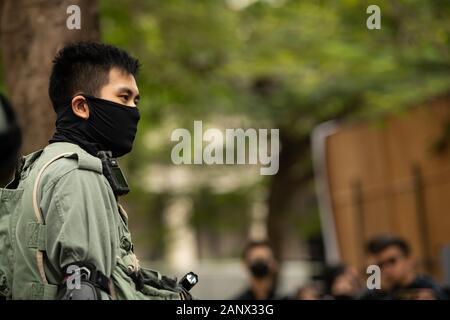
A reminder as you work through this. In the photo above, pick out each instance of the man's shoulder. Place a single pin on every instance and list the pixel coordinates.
(425, 281)
(61, 159)
(246, 294)
(64, 157)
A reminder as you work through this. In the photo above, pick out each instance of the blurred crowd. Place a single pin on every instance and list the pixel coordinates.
(398, 278)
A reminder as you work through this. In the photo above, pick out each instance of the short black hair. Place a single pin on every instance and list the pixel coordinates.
(330, 274)
(254, 244)
(382, 242)
(85, 66)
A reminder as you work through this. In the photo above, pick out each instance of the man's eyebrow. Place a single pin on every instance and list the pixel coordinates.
(128, 91)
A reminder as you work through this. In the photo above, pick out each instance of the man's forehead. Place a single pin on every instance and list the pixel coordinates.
(391, 250)
(122, 80)
(260, 250)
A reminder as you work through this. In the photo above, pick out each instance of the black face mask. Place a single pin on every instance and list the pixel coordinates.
(259, 268)
(112, 125)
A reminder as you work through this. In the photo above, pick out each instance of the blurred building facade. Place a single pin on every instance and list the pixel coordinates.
(391, 176)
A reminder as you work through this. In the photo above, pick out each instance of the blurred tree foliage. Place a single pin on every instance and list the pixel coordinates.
(282, 64)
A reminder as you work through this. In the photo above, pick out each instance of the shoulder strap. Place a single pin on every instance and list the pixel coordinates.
(38, 213)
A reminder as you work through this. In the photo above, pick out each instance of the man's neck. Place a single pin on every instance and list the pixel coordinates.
(261, 288)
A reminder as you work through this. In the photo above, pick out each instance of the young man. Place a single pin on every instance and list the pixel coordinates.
(262, 267)
(71, 238)
(399, 280)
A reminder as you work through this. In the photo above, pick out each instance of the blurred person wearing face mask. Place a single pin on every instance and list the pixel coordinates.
(262, 267)
(399, 280)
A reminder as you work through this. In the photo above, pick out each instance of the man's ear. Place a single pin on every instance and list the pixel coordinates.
(80, 107)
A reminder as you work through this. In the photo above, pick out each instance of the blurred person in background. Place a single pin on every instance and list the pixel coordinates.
(399, 280)
(10, 141)
(342, 283)
(262, 267)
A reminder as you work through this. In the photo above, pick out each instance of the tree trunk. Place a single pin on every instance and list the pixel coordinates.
(31, 32)
(290, 177)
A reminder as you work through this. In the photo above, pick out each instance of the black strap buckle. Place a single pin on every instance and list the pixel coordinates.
(88, 272)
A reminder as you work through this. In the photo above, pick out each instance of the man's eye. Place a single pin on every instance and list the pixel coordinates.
(125, 97)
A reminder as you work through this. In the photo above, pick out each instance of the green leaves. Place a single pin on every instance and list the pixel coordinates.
(281, 64)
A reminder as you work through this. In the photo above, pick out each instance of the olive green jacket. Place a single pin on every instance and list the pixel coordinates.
(80, 221)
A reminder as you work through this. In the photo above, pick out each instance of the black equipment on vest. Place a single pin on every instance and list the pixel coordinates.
(10, 140)
(83, 281)
(113, 173)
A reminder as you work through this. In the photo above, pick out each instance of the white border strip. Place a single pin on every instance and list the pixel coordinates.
(318, 142)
